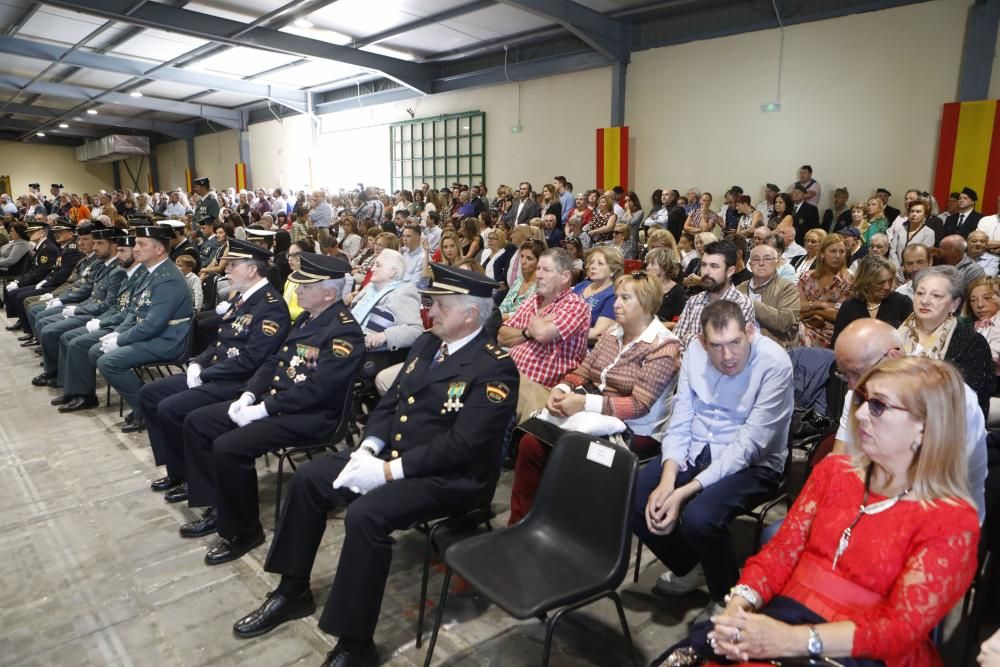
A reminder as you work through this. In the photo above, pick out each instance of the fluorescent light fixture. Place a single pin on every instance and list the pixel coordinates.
(39, 134)
(135, 93)
(303, 23)
(92, 112)
(63, 125)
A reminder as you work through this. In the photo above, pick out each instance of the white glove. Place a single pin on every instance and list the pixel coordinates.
(194, 376)
(41, 284)
(45, 297)
(54, 303)
(109, 342)
(12, 285)
(222, 308)
(246, 399)
(250, 414)
(69, 311)
(362, 473)
(93, 325)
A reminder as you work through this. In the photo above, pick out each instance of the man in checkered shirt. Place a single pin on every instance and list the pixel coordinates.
(718, 264)
(547, 336)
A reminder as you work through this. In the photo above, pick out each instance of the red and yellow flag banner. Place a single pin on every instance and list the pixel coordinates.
(187, 181)
(612, 157)
(241, 176)
(969, 152)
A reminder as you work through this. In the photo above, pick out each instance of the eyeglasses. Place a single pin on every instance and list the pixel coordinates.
(639, 275)
(763, 260)
(876, 406)
(844, 377)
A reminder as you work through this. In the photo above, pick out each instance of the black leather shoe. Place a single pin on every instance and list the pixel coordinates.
(129, 418)
(227, 549)
(341, 657)
(14, 327)
(165, 483)
(277, 609)
(177, 494)
(202, 527)
(30, 343)
(80, 403)
(134, 426)
(62, 399)
(25, 337)
(44, 380)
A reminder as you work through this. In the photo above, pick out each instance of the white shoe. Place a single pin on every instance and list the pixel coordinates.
(672, 584)
(711, 609)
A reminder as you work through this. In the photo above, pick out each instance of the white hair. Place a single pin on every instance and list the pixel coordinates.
(337, 284)
(483, 304)
(393, 260)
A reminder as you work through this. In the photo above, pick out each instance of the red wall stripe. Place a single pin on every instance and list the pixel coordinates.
(946, 151)
(623, 158)
(992, 190)
(599, 182)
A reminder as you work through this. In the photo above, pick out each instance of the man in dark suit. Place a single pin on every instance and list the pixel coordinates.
(966, 220)
(295, 396)
(251, 331)
(431, 448)
(526, 208)
(839, 215)
(805, 216)
(890, 212)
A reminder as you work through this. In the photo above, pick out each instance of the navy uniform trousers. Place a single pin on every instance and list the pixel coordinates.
(702, 533)
(353, 606)
(165, 404)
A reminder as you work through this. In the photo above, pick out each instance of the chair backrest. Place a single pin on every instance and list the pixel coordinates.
(633, 265)
(347, 416)
(585, 501)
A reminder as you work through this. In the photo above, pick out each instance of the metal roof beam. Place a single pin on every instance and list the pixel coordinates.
(206, 26)
(119, 65)
(226, 117)
(25, 126)
(177, 130)
(452, 13)
(606, 35)
(22, 19)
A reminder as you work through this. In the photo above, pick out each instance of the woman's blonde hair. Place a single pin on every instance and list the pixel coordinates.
(612, 257)
(818, 234)
(648, 290)
(934, 393)
(388, 240)
(454, 238)
(666, 259)
(863, 207)
(500, 234)
(985, 281)
(831, 239)
(868, 276)
(663, 237)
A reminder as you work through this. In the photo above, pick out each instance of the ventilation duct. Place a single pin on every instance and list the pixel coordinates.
(113, 147)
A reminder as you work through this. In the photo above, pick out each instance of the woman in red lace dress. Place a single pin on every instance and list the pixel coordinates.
(867, 585)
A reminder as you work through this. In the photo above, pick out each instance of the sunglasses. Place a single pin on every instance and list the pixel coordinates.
(639, 275)
(876, 406)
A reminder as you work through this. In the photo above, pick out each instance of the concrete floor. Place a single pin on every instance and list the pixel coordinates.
(94, 573)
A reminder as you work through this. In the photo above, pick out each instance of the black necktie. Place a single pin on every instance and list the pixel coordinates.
(441, 355)
(961, 219)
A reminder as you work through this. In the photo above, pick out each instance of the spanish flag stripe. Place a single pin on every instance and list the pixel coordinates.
(972, 145)
(946, 151)
(599, 180)
(988, 201)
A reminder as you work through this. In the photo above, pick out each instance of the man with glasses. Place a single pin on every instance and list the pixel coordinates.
(863, 345)
(775, 300)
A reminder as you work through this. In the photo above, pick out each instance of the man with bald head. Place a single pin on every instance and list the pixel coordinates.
(978, 252)
(953, 252)
(762, 235)
(916, 258)
(861, 346)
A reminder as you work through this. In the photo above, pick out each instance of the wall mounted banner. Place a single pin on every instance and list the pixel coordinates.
(612, 157)
(969, 152)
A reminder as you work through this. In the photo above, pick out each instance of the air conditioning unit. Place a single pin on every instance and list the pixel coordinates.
(113, 147)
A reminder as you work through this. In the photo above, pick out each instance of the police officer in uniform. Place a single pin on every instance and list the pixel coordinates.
(208, 206)
(43, 254)
(77, 375)
(431, 448)
(297, 395)
(250, 332)
(50, 328)
(55, 260)
(180, 244)
(161, 327)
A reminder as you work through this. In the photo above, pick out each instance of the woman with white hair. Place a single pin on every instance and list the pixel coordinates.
(388, 309)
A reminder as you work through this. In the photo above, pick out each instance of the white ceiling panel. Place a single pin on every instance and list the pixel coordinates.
(169, 90)
(225, 10)
(19, 66)
(322, 33)
(432, 38)
(496, 21)
(226, 99)
(355, 17)
(241, 61)
(96, 78)
(110, 35)
(11, 10)
(311, 74)
(59, 25)
(157, 45)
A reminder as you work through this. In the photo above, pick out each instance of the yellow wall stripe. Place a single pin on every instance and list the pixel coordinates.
(612, 156)
(972, 145)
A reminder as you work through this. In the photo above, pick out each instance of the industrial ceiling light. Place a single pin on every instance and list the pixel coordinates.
(39, 134)
(92, 112)
(303, 23)
(63, 125)
(135, 93)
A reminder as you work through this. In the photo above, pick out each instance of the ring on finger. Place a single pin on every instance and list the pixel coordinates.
(737, 637)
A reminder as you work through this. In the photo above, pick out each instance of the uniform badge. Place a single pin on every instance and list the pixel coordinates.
(241, 323)
(300, 377)
(308, 355)
(269, 327)
(413, 364)
(455, 391)
(341, 347)
(44, 259)
(233, 353)
(497, 392)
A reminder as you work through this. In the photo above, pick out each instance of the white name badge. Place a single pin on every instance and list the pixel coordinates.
(602, 454)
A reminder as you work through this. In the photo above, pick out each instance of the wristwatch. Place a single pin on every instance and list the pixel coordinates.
(526, 333)
(815, 644)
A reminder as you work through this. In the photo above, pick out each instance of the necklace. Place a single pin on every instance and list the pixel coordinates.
(874, 508)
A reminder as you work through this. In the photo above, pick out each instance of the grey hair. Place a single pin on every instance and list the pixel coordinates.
(483, 304)
(696, 191)
(563, 260)
(941, 271)
(337, 284)
(394, 260)
(880, 237)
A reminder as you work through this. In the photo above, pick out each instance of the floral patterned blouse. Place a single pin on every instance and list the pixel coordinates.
(811, 332)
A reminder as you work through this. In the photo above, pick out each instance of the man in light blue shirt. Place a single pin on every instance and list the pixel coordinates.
(723, 453)
(413, 254)
(566, 199)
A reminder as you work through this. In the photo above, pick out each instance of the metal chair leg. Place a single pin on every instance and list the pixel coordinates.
(550, 629)
(628, 635)
(422, 602)
(439, 618)
(638, 562)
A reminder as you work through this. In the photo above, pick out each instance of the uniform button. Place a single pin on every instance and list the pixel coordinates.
(219, 344)
(399, 436)
(395, 454)
(403, 419)
(220, 329)
(276, 378)
(442, 410)
(215, 357)
(281, 363)
(410, 400)
(274, 391)
(284, 349)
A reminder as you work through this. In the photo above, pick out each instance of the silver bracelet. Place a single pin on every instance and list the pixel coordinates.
(747, 593)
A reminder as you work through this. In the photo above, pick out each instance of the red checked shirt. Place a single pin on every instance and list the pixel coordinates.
(547, 363)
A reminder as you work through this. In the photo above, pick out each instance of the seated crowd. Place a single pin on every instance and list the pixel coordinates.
(480, 330)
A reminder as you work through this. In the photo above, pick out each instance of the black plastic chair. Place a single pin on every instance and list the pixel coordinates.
(569, 551)
(342, 432)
